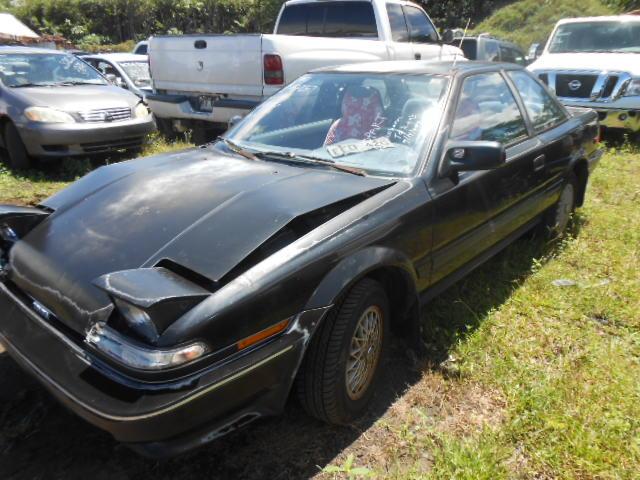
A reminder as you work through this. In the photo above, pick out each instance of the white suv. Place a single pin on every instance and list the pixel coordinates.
(595, 62)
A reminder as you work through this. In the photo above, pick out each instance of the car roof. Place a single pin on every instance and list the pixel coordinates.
(420, 67)
(611, 18)
(18, 49)
(118, 57)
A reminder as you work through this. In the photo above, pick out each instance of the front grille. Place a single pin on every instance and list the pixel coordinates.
(121, 144)
(612, 81)
(106, 114)
(565, 85)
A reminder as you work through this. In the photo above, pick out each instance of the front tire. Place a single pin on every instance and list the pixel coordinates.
(558, 217)
(19, 158)
(342, 365)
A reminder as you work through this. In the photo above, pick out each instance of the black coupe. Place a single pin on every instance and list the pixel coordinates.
(172, 299)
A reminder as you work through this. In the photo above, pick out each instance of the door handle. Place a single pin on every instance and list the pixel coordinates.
(417, 56)
(538, 163)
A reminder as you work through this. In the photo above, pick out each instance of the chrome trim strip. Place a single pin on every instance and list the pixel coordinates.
(145, 416)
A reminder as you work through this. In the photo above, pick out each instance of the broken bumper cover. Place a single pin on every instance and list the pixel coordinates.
(159, 419)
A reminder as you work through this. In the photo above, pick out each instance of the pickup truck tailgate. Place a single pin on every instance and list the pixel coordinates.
(207, 63)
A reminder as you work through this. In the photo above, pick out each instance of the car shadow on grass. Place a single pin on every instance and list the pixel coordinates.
(40, 439)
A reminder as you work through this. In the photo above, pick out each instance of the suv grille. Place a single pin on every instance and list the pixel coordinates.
(579, 86)
(575, 86)
(106, 115)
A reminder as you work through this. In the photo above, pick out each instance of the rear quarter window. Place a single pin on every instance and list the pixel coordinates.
(329, 19)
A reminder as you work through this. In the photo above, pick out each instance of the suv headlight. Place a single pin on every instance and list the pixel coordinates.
(633, 90)
(47, 115)
(141, 111)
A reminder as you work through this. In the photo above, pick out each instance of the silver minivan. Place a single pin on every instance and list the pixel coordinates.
(54, 105)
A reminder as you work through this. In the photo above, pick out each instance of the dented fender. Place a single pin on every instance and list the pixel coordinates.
(355, 267)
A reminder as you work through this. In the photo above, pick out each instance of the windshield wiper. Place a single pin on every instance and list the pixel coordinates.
(74, 83)
(27, 85)
(309, 159)
(235, 148)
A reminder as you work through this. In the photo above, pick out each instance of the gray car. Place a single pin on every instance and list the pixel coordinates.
(54, 105)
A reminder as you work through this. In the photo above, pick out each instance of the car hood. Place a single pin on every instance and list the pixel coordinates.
(201, 210)
(77, 98)
(615, 62)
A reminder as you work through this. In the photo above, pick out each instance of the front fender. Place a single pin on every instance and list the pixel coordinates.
(356, 266)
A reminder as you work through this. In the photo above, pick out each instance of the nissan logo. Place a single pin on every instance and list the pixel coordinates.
(575, 85)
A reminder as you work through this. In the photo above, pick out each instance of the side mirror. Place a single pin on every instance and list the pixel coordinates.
(471, 156)
(114, 80)
(447, 36)
(233, 121)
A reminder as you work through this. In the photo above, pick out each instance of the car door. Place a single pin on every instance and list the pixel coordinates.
(553, 128)
(476, 210)
(401, 48)
(422, 33)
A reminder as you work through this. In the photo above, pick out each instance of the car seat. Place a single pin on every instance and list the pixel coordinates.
(362, 115)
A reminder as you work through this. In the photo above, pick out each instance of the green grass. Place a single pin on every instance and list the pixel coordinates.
(530, 21)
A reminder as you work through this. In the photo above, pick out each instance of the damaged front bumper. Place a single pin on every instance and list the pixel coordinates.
(157, 419)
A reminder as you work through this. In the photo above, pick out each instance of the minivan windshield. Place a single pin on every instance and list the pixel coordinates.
(46, 69)
(606, 37)
(376, 123)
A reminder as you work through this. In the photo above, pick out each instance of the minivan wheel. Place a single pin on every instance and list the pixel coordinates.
(19, 159)
(558, 217)
(341, 367)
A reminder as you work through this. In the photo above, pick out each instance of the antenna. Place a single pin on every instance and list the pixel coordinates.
(455, 58)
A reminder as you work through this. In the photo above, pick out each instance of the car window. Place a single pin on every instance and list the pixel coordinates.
(469, 48)
(487, 110)
(421, 30)
(329, 19)
(507, 54)
(542, 108)
(491, 53)
(399, 31)
(18, 70)
(142, 49)
(375, 122)
(107, 69)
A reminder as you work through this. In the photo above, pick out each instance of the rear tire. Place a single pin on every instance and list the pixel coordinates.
(341, 367)
(558, 217)
(19, 159)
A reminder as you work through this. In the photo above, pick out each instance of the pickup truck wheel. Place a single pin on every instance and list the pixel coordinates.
(341, 367)
(19, 159)
(558, 217)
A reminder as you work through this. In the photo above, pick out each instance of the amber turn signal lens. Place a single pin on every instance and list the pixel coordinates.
(263, 335)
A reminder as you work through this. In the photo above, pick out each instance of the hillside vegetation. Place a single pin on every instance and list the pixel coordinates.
(529, 21)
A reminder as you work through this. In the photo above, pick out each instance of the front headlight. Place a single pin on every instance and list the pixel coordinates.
(116, 346)
(633, 90)
(141, 111)
(47, 115)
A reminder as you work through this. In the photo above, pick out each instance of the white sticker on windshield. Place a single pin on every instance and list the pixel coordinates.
(344, 149)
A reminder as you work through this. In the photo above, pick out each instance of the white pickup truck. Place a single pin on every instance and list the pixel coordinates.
(203, 79)
(595, 62)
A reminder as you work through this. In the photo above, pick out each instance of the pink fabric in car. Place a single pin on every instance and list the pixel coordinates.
(361, 116)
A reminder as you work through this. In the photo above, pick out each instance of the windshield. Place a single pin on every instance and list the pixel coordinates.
(376, 123)
(619, 37)
(44, 69)
(138, 72)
